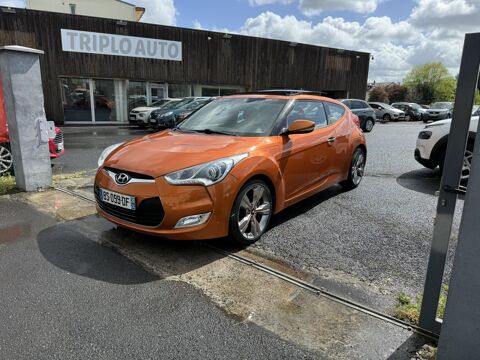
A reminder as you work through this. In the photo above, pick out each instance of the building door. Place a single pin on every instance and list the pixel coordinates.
(156, 92)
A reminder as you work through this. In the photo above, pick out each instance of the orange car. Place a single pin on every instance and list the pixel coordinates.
(230, 166)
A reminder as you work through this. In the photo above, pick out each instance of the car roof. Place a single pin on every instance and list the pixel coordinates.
(275, 96)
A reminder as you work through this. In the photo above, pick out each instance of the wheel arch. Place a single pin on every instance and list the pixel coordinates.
(441, 146)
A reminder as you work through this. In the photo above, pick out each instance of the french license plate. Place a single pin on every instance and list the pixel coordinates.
(123, 201)
(133, 117)
(60, 146)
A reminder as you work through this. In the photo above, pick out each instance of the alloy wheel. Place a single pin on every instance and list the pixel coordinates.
(6, 160)
(369, 125)
(467, 165)
(254, 211)
(358, 167)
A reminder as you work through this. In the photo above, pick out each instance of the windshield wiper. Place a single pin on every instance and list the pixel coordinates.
(210, 131)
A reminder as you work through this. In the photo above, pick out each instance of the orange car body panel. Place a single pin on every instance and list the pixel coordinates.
(296, 165)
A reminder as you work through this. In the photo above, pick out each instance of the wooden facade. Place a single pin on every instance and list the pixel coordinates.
(209, 58)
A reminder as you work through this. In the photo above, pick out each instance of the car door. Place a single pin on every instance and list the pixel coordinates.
(379, 110)
(306, 159)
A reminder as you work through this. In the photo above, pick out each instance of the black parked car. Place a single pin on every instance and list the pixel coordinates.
(163, 119)
(364, 112)
(412, 111)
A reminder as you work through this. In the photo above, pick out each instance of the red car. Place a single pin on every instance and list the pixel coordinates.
(55, 143)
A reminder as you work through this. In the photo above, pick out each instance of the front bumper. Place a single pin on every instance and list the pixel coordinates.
(435, 117)
(176, 202)
(138, 118)
(425, 162)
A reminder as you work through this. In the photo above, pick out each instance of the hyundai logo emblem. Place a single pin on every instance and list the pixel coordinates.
(122, 178)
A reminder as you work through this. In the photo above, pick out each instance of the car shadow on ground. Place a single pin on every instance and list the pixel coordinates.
(426, 181)
(410, 348)
(66, 247)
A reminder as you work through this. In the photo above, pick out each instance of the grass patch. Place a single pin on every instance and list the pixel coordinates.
(8, 185)
(408, 309)
(428, 352)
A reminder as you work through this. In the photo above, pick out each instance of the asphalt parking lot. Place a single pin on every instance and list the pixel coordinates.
(368, 244)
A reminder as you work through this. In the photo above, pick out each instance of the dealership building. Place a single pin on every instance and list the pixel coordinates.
(95, 70)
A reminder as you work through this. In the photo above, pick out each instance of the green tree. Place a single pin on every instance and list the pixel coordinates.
(430, 82)
(378, 94)
(396, 93)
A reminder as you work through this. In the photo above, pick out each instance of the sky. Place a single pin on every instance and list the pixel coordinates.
(400, 34)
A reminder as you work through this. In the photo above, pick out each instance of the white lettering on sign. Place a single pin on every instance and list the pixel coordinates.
(120, 45)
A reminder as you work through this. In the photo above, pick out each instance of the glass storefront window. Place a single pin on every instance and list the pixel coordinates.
(137, 94)
(76, 99)
(226, 91)
(219, 91)
(207, 91)
(179, 91)
(105, 100)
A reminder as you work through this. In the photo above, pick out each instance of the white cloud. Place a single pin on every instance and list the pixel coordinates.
(315, 7)
(459, 14)
(161, 12)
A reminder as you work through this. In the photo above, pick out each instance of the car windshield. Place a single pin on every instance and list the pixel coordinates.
(386, 106)
(441, 105)
(236, 116)
(170, 105)
(194, 104)
(415, 106)
(160, 102)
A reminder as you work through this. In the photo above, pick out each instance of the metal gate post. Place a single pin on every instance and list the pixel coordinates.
(457, 141)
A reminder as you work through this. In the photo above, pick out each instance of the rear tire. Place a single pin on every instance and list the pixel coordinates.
(369, 123)
(251, 212)
(386, 118)
(357, 170)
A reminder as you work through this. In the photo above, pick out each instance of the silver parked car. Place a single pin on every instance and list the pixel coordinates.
(440, 111)
(386, 112)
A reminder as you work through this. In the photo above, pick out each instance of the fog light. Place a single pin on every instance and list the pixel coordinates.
(192, 220)
(425, 135)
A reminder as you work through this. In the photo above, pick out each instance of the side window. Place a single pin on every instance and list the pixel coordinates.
(356, 105)
(334, 112)
(347, 103)
(308, 110)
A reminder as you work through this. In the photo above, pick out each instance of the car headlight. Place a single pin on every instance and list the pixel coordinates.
(167, 114)
(107, 152)
(425, 135)
(205, 174)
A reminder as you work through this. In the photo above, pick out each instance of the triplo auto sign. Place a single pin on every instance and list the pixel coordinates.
(120, 45)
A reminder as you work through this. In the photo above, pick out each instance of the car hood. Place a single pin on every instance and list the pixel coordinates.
(448, 123)
(146, 108)
(162, 153)
(439, 110)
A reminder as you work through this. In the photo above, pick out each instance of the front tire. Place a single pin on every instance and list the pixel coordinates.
(357, 170)
(386, 118)
(6, 160)
(408, 117)
(251, 212)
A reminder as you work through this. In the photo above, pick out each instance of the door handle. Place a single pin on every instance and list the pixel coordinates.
(331, 140)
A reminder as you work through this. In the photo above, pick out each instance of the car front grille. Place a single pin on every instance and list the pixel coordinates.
(58, 138)
(148, 213)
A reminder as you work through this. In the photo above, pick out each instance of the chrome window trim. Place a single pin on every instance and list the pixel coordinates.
(132, 180)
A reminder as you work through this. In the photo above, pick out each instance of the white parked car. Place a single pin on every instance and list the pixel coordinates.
(432, 145)
(141, 115)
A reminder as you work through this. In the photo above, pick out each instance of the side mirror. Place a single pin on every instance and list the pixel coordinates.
(300, 127)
